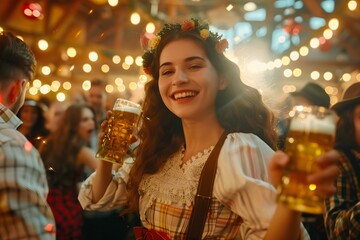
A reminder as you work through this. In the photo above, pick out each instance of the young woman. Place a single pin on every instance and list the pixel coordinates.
(342, 217)
(33, 127)
(65, 154)
(54, 115)
(195, 96)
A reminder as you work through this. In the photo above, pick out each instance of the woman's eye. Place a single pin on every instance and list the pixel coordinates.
(166, 72)
(195, 66)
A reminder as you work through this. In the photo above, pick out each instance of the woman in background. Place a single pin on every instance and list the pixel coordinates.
(65, 154)
(33, 126)
(54, 115)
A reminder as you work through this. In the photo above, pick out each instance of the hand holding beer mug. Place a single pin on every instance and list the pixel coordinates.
(120, 128)
(311, 134)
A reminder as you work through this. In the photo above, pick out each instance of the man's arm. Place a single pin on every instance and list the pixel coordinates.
(24, 211)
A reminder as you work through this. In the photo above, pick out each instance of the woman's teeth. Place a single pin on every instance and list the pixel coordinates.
(184, 95)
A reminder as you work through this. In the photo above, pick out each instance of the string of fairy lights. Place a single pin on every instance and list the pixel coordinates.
(296, 72)
(60, 87)
(327, 34)
(287, 62)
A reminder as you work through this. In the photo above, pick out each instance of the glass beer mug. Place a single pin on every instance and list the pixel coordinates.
(311, 134)
(120, 128)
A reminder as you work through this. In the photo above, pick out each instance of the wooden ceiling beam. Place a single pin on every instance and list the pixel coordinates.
(67, 16)
(270, 23)
(119, 28)
(95, 34)
(94, 25)
(315, 8)
(8, 8)
(351, 50)
(353, 31)
(47, 9)
(91, 26)
(174, 8)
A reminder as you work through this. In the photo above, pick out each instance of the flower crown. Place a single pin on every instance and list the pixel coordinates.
(189, 25)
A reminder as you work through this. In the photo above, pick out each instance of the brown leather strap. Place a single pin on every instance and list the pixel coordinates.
(204, 193)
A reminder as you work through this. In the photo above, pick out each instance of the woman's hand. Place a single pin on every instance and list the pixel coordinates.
(327, 172)
(276, 165)
(324, 177)
(103, 128)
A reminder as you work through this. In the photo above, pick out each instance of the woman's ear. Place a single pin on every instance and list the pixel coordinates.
(222, 83)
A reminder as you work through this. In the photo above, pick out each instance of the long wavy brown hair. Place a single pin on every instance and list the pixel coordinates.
(61, 148)
(345, 138)
(239, 108)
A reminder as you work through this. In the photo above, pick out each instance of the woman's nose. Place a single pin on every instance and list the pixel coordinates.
(180, 78)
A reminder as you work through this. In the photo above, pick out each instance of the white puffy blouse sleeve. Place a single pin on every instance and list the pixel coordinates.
(115, 194)
(242, 183)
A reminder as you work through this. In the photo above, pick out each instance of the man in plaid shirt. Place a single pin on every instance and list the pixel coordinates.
(24, 213)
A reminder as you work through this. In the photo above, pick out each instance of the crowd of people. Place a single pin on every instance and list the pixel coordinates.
(53, 187)
(44, 163)
(65, 154)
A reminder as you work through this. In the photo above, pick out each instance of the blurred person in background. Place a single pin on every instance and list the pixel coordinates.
(54, 115)
(310, 94)
(24, 212)
(97, 99)
(342, 216)
(65, 155)
(102, 224)
(44, 101)
(78, 96)
(32, 114)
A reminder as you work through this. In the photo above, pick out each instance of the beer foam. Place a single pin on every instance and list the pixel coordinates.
(313, 124)
(127, 109)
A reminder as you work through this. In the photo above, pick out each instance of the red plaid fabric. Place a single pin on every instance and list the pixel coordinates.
(142, 233)
(221, 223)
(68, 213)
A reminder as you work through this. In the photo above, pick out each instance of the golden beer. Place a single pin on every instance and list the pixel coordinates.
(311, 134)
(119, 131)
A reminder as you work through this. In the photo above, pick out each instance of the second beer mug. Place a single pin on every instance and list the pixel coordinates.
(311, 134)
(119, 131)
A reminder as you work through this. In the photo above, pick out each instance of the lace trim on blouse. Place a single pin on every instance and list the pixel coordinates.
(176, 182)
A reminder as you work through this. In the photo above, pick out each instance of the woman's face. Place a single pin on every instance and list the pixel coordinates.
(188, 82)
(357, 124)
(86, 125)
(54, 115)
(29, 116)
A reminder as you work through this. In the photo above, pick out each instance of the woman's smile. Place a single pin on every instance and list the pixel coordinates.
(185, 94)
